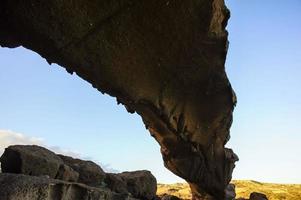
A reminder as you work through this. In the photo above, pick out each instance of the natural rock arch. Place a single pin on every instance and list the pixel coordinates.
(161, 59)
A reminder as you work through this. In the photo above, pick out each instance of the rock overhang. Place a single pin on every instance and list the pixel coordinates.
(162, 59)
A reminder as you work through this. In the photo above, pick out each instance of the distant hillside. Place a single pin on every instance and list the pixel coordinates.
(243, 189)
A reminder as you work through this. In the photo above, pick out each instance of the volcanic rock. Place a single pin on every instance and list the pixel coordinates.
(169, 197)
(66, 173)
(38, 161)
(230, 192)
(116, 183)
(162, 59)
(31, 160)
(22, 187)
(141, 184)
(89, 172)
(258, 196)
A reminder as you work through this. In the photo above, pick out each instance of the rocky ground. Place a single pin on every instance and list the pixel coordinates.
(243, 190)
(34, 173)
(31, 172)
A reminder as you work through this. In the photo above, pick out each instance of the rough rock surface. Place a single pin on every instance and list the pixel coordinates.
(22, 187)
(116, 183)
(258, 196)
(230, 192)
(169, 197)
(162, 59)
(141, 184)
(89, 172)
(31, 160)
(38, 161)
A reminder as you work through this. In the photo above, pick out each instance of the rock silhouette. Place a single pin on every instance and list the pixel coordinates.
(162, 59)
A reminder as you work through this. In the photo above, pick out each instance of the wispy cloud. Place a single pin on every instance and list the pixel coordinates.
(8, 138)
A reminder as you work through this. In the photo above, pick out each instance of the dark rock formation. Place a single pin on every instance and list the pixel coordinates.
(141, 184)
(22, 187)
(258, 196)
(37, 161)
(89, 172)
(30, 159)
(230, 192)
(169, 197)
(255, 196)
(116, 183)
(161, 59)
(66, 173)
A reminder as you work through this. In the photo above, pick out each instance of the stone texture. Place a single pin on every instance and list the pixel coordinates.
(258, 196)
(116, 183)
(89, 172)
(230, 192)
(141, 184)
(38, 161)
(30, 160)
(162, 59)
(22, 187)
(66, 173)
(169, 197)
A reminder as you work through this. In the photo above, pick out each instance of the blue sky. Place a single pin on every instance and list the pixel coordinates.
(263, 65)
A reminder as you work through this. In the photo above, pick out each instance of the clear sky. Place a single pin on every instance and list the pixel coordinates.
(263, 65)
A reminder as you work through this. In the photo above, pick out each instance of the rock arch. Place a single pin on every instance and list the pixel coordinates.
(161, 59)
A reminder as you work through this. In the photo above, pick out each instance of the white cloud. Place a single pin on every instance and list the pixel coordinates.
(59, 150)
(8, 138)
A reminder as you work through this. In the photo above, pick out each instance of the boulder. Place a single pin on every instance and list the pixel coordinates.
(169, 197)
(66, 173)
(230, 192)
(38, 161)
(258, 196)
(30, 160)
(141, 184)
(116, 183)
(89, 172)
(23, 187)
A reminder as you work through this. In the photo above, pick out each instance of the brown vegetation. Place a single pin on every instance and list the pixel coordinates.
(243, 189)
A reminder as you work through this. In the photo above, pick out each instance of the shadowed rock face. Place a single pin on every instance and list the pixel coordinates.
(36, 161)
(163, 59)
(22, 187)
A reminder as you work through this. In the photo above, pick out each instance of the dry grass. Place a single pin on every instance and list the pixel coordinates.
(180, 190)
(273, 191)
(243, 189)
